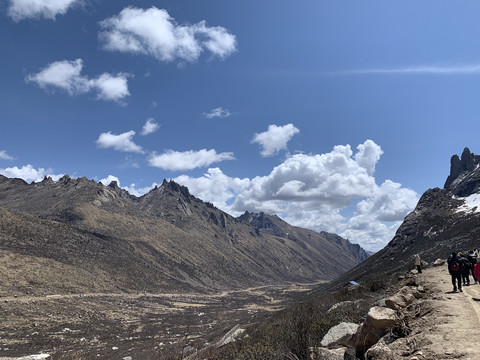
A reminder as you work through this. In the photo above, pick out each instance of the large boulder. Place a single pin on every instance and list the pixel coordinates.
(381, 318)
(339, 335)
(401, 299)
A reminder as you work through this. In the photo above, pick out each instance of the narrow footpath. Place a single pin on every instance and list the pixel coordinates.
(448, 326)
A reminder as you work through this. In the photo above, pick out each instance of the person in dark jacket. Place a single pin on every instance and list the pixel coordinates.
(455, 267)
(465, 269)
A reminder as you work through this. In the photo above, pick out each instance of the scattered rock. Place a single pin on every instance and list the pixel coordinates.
(439, 262)
(331, 354)
(379, 351)
(339, 335)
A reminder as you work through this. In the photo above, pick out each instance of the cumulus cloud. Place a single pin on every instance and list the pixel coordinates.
(5, 156)
(132, 188)
(149, 127)
(188, 160)
(29, 173)
(218, 112)
(155, 33)
(379, 216)
(368, 155)
(66, 75)
(275, 138)
(48, 9)
(121, 142)
(312, 191)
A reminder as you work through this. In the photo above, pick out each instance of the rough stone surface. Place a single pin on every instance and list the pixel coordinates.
(439, 262)
(381, 318)
(379, 351)
(339, 335)
(331, 354)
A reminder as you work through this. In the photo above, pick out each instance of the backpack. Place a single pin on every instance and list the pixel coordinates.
(455, 265)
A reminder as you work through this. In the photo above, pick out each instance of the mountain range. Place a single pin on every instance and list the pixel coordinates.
(77, 235)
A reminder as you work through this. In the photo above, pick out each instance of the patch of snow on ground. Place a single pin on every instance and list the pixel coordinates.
(472, 203)
(28, 357)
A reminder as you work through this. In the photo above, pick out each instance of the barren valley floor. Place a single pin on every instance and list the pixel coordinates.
(143, 326)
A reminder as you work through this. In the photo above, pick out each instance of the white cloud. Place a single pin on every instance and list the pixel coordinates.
(188, 160)
(218, 112)
(106, 181)
(48, 9)
(311, 191)
(368, 155)
(215, 187)
(155, 33)
(275, 138)
(121, 142)
(378, 217)
(29, 173)
(66, 75)
(149, 127)
(113, 88)
(132, 188)
(5, 156)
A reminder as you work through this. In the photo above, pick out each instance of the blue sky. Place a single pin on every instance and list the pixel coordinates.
(335, 115)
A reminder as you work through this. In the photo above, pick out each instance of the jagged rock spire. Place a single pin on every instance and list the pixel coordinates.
(467, 162)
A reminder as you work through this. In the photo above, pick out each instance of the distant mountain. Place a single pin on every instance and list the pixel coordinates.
(443, 221)
(76, 235)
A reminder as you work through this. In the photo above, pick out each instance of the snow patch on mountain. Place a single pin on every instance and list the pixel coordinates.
(471, 203)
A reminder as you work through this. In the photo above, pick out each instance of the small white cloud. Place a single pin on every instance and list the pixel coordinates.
(121, 142)
(218, 112)
(29, 173)
(112, 88)
(155, 33)
(5, 156)
(275, 138)
(66, 75)
(149, 127)
(188, 160)
(106, 181)
(48, 9)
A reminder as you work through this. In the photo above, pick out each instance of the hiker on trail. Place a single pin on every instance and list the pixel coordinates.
(473, 260)
(476, 271)
(418, 263)
(455, 270)
(465, 269)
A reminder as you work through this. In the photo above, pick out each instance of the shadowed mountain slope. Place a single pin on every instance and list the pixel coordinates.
(443, 221)
(74, 235)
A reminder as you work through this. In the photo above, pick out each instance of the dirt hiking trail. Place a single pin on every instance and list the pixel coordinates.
(448, 326)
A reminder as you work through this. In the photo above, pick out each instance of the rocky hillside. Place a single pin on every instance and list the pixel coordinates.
(76, 235)
(443, 221)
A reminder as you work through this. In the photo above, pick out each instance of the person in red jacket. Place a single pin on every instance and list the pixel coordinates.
(476, 270)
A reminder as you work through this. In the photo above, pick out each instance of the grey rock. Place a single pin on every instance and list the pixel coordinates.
(339, 335)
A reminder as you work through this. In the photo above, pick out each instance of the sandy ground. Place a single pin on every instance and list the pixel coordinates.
(447, 323)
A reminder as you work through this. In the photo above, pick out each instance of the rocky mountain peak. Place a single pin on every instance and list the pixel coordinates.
(173, 188)
(466, 163)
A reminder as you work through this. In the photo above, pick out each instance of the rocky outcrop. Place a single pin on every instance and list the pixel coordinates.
(370, 339)
(466, 163)
(339, 335)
